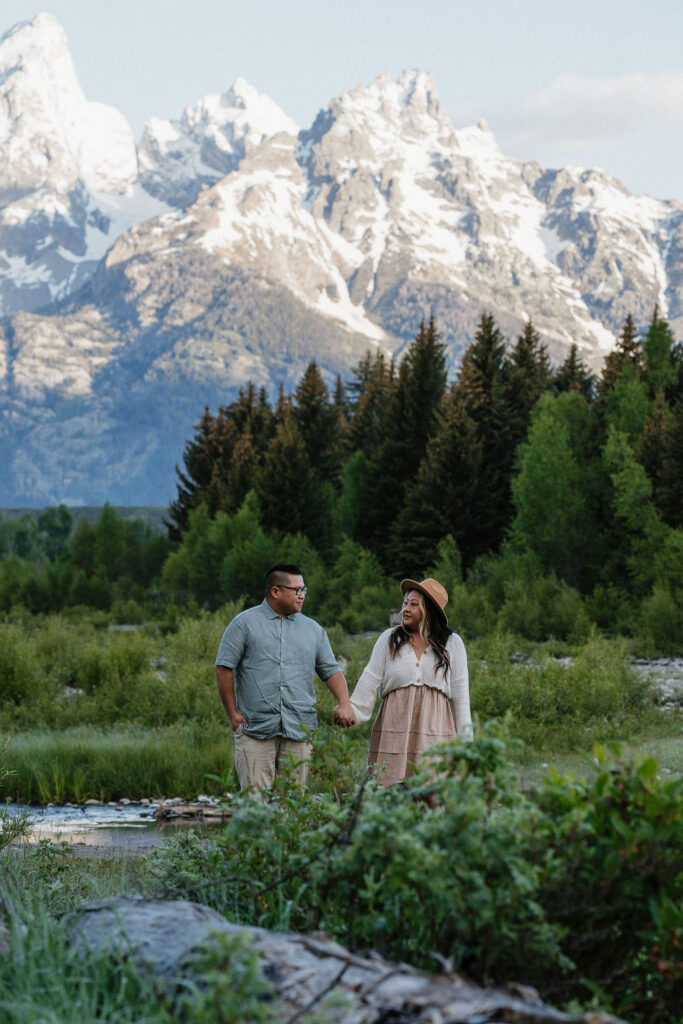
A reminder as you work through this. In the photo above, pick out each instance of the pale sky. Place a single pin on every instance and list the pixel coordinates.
(592, 82)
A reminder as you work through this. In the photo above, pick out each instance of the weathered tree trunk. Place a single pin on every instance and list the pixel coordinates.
(306, 970)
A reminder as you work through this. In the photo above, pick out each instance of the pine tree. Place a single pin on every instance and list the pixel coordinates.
(573, 375)
(222, 458)
(670, 483)
(484, 373)
(410, 420)
(651, 448)
(194, 484)
(292, 498)
(659, 352)
(369, 398)
(628, 352)
(342, 421)
(318, 423)
(282, 404)
(443, 498)
(484, 387)
(529, 377)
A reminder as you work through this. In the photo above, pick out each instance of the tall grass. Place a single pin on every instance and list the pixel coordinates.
(81, 764)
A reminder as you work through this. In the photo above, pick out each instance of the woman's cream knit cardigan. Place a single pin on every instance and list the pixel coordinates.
(383, 674)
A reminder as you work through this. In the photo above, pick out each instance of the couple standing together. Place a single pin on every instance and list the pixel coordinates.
(269, 655)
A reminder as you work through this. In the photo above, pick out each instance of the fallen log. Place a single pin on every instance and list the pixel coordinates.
(305, 971)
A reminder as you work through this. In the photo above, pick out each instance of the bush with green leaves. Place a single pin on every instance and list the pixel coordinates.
(544, 608)
(661, 620)
(617, 840)
(560, 704)
(59, 674)
(574, 887)
(384, 869)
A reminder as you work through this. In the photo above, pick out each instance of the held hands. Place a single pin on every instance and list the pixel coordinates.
(343, 715)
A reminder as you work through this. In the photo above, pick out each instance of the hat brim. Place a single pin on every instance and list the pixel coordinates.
(407, 585)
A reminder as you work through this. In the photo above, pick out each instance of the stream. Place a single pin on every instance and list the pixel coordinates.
(95, 828)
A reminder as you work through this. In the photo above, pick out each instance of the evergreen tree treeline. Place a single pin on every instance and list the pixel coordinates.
(510, 455)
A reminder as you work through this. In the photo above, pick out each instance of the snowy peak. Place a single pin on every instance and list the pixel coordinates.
(32, 40)
(408, 109)
(411, 101)
(54, 136)
(67, 171)
(176, 158)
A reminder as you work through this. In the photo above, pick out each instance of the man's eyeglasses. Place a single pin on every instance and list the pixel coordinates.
(297, 590)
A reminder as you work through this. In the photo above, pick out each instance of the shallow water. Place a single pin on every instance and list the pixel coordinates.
(103, 827)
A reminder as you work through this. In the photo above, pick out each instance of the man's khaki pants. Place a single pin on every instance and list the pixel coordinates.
(259, 761)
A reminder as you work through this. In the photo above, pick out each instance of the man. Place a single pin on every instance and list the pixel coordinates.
(264, 671)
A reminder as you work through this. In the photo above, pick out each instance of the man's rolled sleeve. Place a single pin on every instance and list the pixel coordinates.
(232, 645)
(325, 662)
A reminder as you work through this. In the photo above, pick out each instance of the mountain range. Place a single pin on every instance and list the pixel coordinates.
(140, 282)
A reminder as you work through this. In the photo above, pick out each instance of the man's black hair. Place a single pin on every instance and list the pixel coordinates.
(275, 576)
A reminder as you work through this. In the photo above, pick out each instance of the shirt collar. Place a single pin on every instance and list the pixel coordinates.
(270, 613)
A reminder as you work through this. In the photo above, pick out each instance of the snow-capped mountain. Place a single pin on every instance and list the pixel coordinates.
(68, 171)
(232, 246)
(208, 141)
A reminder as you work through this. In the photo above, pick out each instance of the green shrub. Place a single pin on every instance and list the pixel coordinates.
(544, 608)
(617, 887)
(21, 672)
(128, 611)
(496, 572)
(359, 595)
(611, 609)
(660, 623)
(60, 673)
(559, 705)
(470, 612)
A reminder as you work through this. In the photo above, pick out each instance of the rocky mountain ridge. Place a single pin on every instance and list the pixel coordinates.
(137, 283)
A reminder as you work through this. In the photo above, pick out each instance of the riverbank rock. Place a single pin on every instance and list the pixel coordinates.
(203, 809)
(306, 970)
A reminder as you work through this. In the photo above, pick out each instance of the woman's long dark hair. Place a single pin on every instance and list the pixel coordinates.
(433, 629)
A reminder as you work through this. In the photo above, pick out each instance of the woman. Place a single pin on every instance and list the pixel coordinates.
(420, 670)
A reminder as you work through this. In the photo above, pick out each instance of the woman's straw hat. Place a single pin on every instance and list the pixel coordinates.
(432, 589)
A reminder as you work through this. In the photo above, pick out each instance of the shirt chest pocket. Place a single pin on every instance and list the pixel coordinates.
(299, 668)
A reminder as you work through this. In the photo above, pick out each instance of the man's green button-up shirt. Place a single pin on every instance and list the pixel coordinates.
(274, 659)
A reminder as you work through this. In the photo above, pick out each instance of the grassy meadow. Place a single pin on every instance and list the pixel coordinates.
(91, 712)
